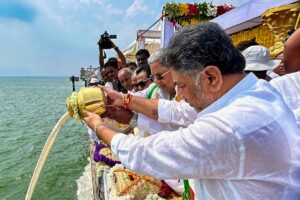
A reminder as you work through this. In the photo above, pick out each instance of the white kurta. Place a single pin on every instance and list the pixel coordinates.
(147, 124)
(246, 145)
(289, 87)
(178, 113)
(152, 126)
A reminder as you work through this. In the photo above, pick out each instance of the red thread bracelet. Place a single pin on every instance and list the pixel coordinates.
(127, 100)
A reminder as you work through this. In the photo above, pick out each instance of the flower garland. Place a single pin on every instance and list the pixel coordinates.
(262, 34)
(153, 197)
(223, 9)
(165, 192)
(73, 107)
(101, 167)
(100, 153)
(186, 13)
(111, 181)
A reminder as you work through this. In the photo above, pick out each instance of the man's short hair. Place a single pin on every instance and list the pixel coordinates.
(126, 70)
(195, 47)
(111, 63)
(131, 63)
(144, 68)
(245, 44)
(154, 57)
(113, 59)
(143, 51)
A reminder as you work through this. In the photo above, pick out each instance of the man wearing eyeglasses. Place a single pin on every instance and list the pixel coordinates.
(161, 88)
(162, 77)
(143, 80)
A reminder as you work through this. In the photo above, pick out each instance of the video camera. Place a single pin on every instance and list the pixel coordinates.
(105, 40)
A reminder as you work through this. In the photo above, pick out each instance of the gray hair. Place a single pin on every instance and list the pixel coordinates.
(154, 57)
(194, 47)
(126, 70)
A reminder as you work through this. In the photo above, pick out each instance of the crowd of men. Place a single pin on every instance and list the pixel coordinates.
(226, 118)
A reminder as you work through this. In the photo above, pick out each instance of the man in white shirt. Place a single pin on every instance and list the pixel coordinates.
(289, 85)
(244, 143)
(124, 77)
(162, 88)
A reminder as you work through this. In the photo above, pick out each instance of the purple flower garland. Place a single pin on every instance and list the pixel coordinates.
(99, 157)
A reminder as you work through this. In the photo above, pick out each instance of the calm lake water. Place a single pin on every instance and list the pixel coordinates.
(30, 107)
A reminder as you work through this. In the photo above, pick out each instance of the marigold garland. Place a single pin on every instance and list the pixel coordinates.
(262, 34)
(186, 13)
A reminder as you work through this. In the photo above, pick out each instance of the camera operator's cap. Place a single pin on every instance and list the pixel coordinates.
(258, 59)
(94, 80)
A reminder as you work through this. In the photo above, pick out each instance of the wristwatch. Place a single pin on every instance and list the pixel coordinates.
(97, 125)
(133, 121)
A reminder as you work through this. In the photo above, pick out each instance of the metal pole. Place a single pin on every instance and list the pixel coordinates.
(73, 82)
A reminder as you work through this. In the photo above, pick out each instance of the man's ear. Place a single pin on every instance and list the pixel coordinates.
(213, 77)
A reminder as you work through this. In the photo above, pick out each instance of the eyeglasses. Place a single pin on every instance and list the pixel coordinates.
(141, 83)
(159, 76)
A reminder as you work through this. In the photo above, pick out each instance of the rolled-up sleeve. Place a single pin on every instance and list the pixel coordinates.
(205, 149)
(172, 112)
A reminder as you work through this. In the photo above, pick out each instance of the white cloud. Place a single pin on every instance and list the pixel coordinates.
(84, 1)
(46, 12)
(110, 9)
(63, 36)
(100, 2)
(64, 4)
(136, 7)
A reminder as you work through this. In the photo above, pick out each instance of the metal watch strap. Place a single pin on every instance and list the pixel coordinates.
(133, 121)
(97, 125)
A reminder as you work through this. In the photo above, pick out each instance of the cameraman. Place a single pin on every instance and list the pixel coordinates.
(120, 55)
(119, 52)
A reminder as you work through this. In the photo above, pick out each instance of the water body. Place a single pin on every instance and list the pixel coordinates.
(29, 109)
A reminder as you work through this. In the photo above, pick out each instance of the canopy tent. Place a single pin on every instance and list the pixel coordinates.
(152, 45)
(129, 52)
(247, 15)
(147, 39)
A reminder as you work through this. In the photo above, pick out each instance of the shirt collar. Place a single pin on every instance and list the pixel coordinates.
(162, 94)
(243, 85)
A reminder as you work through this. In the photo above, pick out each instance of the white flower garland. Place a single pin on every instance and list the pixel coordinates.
(154, 197)
(112, 188)
(111, 184)
(100, 168)
(211, 10)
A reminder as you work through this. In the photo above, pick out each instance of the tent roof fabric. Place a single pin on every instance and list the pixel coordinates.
(247, 15)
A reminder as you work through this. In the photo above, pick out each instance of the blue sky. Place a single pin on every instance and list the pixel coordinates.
(58, 37)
